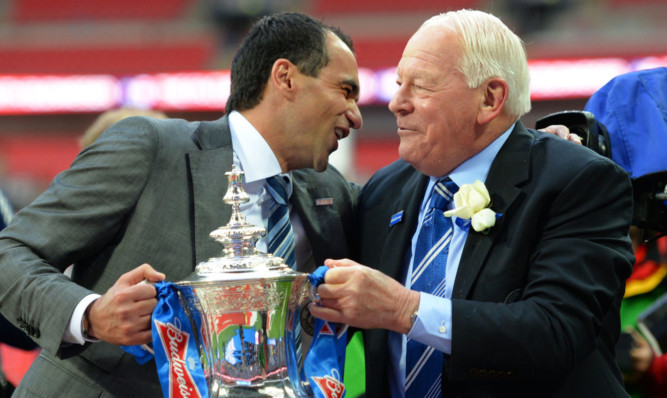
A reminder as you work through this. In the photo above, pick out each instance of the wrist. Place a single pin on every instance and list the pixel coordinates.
(412, 308)
(413, 318)
(86, 326)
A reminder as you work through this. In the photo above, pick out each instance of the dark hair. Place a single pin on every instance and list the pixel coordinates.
(293, 36)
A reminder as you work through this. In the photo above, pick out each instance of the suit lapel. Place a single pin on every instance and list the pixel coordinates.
(508, 171)
(398, 243)
(321, 222)
(320, 225)
(207, 168)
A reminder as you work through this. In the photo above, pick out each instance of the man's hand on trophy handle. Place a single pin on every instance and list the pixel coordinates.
(362, 297)
(122, 315)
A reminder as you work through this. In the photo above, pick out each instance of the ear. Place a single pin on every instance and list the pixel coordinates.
(495, 91)
(282, 77)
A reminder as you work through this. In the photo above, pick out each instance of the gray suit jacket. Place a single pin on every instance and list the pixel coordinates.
(148, 191)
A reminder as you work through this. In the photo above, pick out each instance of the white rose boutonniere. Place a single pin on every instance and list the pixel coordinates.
(471, 203)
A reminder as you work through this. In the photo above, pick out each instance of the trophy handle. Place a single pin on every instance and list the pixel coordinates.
(304, 293)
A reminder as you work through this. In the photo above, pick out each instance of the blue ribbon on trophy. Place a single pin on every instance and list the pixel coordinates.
(174, 348)
(178, 362)
(325, 361)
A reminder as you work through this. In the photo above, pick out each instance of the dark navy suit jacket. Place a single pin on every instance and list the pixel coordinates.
(536, 301)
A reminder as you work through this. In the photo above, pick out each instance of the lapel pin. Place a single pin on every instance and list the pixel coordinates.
(324, 202)
(396, 218)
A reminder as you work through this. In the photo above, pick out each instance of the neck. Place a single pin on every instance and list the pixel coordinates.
(271, 130)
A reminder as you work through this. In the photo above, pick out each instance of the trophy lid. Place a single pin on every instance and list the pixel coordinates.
(240, 259)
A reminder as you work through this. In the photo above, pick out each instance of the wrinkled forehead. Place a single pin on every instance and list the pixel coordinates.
(433, 45)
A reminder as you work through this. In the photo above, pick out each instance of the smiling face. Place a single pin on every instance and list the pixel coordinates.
(435, 109)
(326, 107)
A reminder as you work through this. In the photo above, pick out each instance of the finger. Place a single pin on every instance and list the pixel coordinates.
(338, 275)
(142, 291)
(331, 263)
(151, 274)
(574, 138)
(558, 130)
(145, 322)
(344, 271)
(144, 307)
(142, 272)
(330, 302)
(327, 314)
(134, 326)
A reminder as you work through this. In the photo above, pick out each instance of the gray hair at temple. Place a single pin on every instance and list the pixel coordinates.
(490, 49)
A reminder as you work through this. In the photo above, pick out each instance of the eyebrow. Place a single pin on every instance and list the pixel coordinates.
(353, 84)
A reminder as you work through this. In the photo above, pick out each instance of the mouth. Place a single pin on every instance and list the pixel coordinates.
(341, 132)
(405, 129)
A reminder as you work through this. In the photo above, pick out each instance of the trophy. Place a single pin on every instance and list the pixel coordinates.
(241, 307)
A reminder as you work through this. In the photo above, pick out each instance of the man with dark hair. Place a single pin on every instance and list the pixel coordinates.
(252, 62)
(149, 191)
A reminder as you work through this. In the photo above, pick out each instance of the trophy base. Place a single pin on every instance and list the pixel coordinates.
(273, 389)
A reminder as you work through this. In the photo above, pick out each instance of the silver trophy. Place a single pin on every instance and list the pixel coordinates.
(241, 308)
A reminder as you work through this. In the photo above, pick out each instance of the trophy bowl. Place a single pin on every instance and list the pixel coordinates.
(241, 307)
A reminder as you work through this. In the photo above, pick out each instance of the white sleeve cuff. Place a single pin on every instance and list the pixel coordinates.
(74, 333)
(433, 325)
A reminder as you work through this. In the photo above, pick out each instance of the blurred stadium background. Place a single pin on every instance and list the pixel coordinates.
(62, 62)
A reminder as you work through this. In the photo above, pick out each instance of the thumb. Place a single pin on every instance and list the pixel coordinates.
(141, 273)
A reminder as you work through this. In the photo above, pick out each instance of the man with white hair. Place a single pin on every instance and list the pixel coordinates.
(512, 290)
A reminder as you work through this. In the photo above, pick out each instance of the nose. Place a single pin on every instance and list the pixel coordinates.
(399, 102)
(353, 115)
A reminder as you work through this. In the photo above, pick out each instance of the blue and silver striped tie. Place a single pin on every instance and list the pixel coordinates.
(281, 239)
(280, 235)
(423, 363)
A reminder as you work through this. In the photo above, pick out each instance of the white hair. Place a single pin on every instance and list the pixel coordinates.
(490, 49)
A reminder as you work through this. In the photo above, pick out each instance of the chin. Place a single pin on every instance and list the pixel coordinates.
(320, 166)
(406, 155)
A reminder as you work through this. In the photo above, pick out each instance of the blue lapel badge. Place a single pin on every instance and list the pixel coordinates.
(396, 218)
(324, 202)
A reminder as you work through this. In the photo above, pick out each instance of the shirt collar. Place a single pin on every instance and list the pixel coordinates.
(258, 161)
(475, 168)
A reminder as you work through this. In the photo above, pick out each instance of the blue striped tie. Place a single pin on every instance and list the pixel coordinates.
(280, 235)
(281, 239)
(423, 363)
